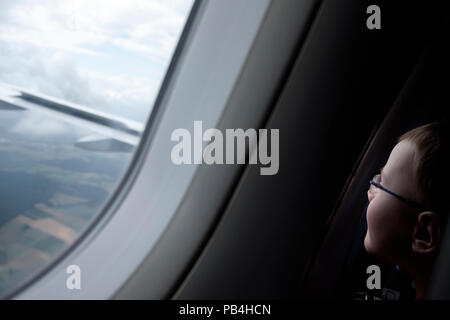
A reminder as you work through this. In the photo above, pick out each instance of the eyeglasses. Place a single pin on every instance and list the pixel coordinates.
(375, 183)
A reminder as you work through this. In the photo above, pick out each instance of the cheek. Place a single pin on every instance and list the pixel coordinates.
(376, 216)
(375, 231)
(385, 237)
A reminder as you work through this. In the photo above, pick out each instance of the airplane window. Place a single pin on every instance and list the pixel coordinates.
(77, 82)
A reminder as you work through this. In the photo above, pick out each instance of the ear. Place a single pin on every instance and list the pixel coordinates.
(426, 233)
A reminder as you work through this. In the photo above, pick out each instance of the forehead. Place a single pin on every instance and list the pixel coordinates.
(402, 158)
(399, 171)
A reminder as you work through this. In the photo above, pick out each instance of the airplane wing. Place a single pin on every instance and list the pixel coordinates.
(112, 133)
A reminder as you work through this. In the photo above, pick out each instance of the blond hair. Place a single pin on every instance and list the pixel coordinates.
(432, 164)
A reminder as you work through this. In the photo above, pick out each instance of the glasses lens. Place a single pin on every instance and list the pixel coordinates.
(377, 178)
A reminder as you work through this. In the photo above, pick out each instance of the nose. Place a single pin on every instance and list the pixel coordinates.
(370, 195)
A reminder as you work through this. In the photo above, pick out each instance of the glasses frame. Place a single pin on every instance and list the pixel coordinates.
(404, 200)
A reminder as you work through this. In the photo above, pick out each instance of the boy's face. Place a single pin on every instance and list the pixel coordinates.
(390, 222)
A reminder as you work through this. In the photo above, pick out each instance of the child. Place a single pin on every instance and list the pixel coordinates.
(409, 203)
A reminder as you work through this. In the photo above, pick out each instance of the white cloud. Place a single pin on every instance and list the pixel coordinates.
(75, 23)
(41, 126)
(54, 74)
(87, 51)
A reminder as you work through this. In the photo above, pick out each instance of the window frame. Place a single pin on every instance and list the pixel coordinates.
(105, 259)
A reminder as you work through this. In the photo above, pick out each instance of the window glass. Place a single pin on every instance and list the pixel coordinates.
(78, 79)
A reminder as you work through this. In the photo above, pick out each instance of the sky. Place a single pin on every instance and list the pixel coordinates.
(110, 55)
